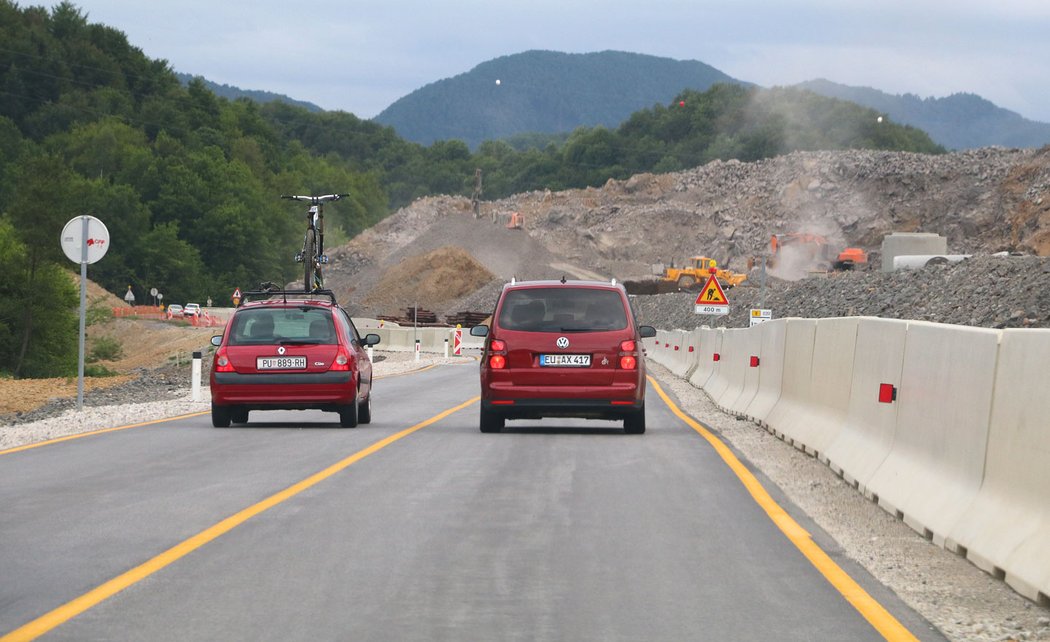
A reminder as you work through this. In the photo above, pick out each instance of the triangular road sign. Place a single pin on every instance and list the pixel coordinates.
(712, 293)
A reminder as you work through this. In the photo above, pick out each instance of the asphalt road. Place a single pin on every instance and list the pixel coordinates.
(552, 530)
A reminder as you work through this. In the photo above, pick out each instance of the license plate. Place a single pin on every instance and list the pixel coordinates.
(280, 363)
(566, 360)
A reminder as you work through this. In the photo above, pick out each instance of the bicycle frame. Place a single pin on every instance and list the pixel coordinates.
(312, 254)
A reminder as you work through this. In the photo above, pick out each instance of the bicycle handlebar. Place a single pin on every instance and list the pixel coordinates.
(315, 200)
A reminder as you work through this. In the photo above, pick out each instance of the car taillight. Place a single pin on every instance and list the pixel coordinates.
(222, 362)
(628, 355)
(498, 354)
(342, 360)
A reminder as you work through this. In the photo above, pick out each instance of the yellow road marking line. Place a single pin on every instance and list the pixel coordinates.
(80, 435)
(866, 605)
(75, 607)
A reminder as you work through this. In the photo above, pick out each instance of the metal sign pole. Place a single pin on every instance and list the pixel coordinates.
(83, 311)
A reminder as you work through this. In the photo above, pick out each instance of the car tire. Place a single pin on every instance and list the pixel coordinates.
(239, 415)
(634, 424)
(348, 417)
(364, 410)
(491, 421)
(220, 416)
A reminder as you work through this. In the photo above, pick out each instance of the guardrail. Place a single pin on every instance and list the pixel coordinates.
(943, 426)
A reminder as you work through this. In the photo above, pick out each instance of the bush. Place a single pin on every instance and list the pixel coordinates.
(105, 349)
(98, 370)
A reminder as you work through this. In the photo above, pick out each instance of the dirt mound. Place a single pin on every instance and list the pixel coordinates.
(430, 280)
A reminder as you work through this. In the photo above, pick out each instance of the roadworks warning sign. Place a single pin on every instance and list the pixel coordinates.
(712, 299)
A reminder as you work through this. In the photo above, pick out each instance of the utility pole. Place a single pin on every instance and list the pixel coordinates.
(475, 199)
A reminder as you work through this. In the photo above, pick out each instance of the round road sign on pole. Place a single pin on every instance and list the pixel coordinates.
(74, 237)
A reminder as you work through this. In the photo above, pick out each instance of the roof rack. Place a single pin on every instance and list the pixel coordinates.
(269, 291)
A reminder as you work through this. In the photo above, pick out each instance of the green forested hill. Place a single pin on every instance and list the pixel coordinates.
(545, 92)
(188, 182)
(959, 121)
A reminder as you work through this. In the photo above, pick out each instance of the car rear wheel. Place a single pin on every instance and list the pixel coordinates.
(364, 410)
(239, 415)
(491, 422)
(635, 424)
(220, 416)
(348, 416)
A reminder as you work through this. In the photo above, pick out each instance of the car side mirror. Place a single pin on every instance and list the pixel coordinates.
(646, 331)
(371, 339)
(479, 331)
(216, 340)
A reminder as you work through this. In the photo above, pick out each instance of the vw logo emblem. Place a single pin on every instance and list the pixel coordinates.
(280, 350)
(562, 342)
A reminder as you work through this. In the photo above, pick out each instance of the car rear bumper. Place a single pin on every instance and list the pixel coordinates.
(574, 408)
(324, 390)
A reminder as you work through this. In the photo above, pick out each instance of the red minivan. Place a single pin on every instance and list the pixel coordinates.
(291, 350)
(563, 349)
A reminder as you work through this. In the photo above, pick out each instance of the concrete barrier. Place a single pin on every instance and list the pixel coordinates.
(678, 362)
(750, 367)
(710, 344)
(934, 468)
(770, 372)
(1006, 531)
(867, 431)
(833, 348)
(728, 369)
(798, 366)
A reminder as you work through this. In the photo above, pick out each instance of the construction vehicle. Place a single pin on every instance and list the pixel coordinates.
(691, 276)
(814, 252)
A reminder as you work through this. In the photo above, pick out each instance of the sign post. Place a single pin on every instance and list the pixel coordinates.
(84, 240)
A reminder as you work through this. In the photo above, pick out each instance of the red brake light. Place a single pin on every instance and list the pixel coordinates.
(222, 362)
(628, 356)
(497, 362)
(497, 345)
(342, 360)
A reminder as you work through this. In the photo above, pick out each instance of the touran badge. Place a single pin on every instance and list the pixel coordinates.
(280, 350)
(562, 342)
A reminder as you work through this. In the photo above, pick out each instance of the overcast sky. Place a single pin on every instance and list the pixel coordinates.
(361, 56)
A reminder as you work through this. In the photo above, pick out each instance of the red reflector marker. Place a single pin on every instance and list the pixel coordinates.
(754, 361)
(690, 348)
(887, 393)
(716, 357)
(676, 348)
(503, 402)
(622, 403)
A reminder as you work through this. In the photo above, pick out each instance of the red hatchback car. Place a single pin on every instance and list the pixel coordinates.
(563, 349)
(291, 350)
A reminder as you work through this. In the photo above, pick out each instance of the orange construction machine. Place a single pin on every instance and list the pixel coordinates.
(815, 249)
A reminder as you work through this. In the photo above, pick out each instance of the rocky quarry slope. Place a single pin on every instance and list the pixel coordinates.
(436, 254)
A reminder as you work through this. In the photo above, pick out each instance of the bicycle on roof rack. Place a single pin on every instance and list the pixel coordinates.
(312, 255)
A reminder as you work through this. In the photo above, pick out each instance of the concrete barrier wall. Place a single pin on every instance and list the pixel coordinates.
(934, 468)
(678, 361)
(790, 408)
(962, 454)
(770, 372)
(1006, 530)
(722, 375)
(431, 340)
(867, 431)
(751, 346)
(710, 343)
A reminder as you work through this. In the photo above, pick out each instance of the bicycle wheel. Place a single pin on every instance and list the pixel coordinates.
(309, 259)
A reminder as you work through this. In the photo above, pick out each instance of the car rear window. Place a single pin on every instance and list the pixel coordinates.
(276, 325)
(562, 310)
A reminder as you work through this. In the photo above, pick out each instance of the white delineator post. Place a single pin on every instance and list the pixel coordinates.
(417, 349)
(369, 350)
(195, 381)
(446, 348)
